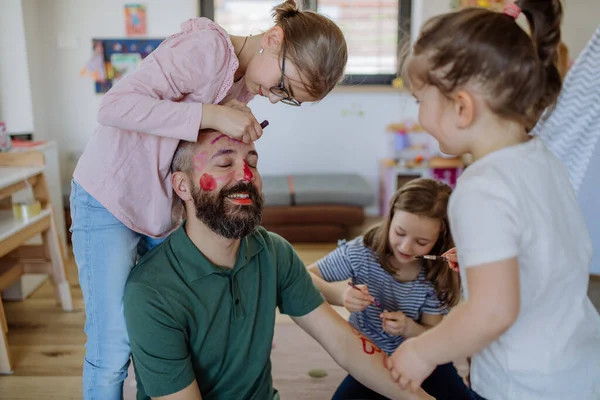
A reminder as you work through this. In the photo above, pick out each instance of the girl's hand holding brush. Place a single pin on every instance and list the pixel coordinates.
(357, 297)
(450, 257)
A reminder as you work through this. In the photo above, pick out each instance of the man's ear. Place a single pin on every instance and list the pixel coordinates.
(464, 107)
(182, 185)
(273, 39)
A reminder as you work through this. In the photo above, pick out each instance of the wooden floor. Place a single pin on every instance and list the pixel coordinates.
(47, 345)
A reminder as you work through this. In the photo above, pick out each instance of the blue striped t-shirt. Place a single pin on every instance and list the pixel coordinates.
(353, 260)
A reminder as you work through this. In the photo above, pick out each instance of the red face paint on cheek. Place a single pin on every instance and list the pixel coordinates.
(200, 161)
(248, 175)
(207, 182)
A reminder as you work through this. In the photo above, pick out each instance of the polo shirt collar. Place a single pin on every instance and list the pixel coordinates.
(196, 266)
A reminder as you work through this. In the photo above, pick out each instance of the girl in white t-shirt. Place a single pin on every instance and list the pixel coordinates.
(523, 247)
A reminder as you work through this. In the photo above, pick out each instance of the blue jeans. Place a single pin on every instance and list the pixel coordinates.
(444, 383)
(105, 251)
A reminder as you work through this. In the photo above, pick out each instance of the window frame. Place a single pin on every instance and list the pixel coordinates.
(207, 9)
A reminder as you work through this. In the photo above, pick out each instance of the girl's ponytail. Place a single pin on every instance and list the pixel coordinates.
(544, 18)
(284, 11)
(315, 45)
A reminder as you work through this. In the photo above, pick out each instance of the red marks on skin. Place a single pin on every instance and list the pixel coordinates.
(242, 201)
(229, 176)
(199, 161)
(208, 182)
(215, 140)
(221, 136)
(248, 175)
(369, 347)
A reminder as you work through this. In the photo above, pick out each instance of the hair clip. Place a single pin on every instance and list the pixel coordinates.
(513, 10)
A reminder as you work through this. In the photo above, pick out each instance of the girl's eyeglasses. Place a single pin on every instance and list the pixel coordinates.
(280, 90)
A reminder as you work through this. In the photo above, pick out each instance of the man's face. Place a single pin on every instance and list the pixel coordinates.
(227, 188)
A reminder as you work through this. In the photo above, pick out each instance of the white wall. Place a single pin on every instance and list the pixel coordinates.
(316, 138)
(580, 21)
(59, 34)
(331, 136)
(15, 93)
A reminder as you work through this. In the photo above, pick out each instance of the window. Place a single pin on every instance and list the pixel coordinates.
(373, 29)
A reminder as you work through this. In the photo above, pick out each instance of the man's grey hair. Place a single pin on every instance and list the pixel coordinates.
(183, 160)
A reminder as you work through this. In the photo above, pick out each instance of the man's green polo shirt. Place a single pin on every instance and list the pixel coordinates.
(189, 319)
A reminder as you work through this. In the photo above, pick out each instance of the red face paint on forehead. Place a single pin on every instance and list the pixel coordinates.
(221, 136)
(248, 175)
(215, 140)
(207, 182)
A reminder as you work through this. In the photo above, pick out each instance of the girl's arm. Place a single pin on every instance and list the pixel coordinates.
(149, 99)
(427, 321)
(333, 292)
(492, 308)
(397, 323)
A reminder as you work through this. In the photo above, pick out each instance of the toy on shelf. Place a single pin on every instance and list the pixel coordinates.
(495, 5)
(410, 142)
(415, 154)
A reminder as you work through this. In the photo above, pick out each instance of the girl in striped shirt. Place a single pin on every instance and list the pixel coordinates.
(397, 296)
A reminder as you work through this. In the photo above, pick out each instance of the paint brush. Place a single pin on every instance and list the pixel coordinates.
(264, 124)
(432, 258)
(378, 304)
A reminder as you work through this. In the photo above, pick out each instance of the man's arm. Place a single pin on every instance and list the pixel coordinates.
(333, 292)
(353, 352)
(191, 392)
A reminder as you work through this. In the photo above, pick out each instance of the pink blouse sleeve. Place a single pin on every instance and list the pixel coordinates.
(149, 99)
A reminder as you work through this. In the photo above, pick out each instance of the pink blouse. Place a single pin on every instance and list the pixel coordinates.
(126, 164)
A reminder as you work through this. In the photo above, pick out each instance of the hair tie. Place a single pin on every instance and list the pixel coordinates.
(291, 13)
(513, 10)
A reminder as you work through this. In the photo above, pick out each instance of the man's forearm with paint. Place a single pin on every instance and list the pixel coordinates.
(354, 352)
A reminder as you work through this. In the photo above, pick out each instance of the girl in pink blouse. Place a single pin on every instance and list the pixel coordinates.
(122, 202)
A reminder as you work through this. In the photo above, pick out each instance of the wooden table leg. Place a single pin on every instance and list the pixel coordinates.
(5, 367)
(3, 323)
(58, 271)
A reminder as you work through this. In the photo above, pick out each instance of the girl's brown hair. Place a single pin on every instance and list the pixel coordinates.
(427, 198)
(489, 49)
(316, 46)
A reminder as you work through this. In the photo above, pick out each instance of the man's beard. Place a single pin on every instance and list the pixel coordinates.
(225, 218)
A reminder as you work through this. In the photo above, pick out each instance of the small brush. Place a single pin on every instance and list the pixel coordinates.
(432, 258)
(378, 304)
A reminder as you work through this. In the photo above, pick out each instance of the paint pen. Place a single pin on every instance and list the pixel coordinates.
(378, 304)
(264, 124)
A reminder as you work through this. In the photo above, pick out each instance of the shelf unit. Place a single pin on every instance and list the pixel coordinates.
(17, 256)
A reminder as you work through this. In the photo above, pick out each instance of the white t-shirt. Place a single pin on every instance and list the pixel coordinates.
(518, 202)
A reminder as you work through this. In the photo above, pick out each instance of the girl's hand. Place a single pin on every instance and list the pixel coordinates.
(233, 119)
(394, 323)
(452, 259)
(463, 367)
(357, 300)
(408, 367)
(237, 105)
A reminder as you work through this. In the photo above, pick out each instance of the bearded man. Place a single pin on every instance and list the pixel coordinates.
(200, 307)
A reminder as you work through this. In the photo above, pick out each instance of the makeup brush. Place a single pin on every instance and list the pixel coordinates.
(378, 304)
